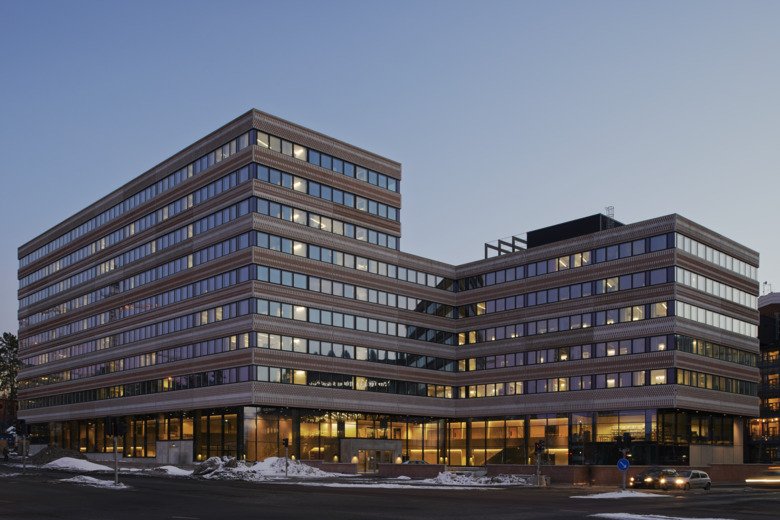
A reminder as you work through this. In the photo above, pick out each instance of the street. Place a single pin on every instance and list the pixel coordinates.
(40, 494)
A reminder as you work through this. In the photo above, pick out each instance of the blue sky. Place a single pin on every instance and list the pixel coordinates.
(506, 116)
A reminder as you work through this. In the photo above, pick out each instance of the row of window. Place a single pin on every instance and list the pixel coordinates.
(715, 288)
(612, 380)
(708, 349)
(572, 322)
(713, 382)
(170, 326)
(195, 198)
(151, 303)
(392, 386)
(154, 386)
(327, 161)
(608, 349)
(342, 259)
(158, 357)
(323, 223)
(716, 319)
(564, 263)
(325, 192)
(237, 375)
(199, 257)
(710, 254)
(572, 353)
(151, 247)
(331, 349)
(203, 224)
(147, 194)
(567, 384)
(241, 341)
(569, 292)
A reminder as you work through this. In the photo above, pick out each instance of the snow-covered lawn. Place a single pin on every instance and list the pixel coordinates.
(383, 485)
(630, 516)
(174, 471)
(622, 494)
(272, 468)
(70, 463)
(454, 479)
(93, 482)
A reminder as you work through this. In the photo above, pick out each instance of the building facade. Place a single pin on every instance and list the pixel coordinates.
(252, 289)
(764, 433)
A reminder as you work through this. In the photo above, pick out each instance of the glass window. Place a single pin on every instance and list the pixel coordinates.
(657, 243)
(658, 377)
(657, 343)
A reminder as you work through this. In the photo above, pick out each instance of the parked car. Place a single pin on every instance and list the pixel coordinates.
(654, 478)
(692, 479)
(416, 461)
(769, 478)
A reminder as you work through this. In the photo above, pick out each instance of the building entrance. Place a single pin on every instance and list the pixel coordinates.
(368, 460)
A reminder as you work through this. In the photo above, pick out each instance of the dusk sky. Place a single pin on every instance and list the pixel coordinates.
(506, 116)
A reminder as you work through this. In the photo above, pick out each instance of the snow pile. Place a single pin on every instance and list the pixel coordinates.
(629, 516)
(51, 453)
(622, 494)
(9, 475)
(455, 479)
(271, 468)
(93, 482)
(70, 463)
(174, 471)
(403, 477)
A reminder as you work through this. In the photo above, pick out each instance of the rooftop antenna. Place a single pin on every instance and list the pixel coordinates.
(609, 211)
(767, 288)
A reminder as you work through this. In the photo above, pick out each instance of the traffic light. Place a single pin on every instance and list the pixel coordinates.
(539, 446)
(285, 442)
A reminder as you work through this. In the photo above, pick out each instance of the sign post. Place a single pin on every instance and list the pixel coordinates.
(623, 465)
(21, 431)
(286, 443)
(539, 449)
(624, 446)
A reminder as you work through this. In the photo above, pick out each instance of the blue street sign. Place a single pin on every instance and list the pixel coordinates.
(623, 464)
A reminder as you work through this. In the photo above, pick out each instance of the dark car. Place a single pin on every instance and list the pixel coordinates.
(654, 478)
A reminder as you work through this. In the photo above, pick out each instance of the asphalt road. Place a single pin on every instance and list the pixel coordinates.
(41, 495)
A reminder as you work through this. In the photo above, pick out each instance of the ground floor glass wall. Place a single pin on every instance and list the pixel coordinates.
(256, 433)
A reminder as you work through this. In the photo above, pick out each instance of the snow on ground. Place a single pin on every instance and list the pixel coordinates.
(629, 516)
(75, 465)
(403, 477)
(93, 482)
(454, 479)
(268, 469)
(379, 485)
(174, 471)
(9, 475)
(622, 494)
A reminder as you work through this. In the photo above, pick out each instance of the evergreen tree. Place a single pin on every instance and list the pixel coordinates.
(9, 364)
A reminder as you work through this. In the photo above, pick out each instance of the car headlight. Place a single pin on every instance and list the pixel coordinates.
(679, 482)
(631, 479)
(648, 479)
(662, 481)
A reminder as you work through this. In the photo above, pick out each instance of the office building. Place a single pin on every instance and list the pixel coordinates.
(252, 289)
